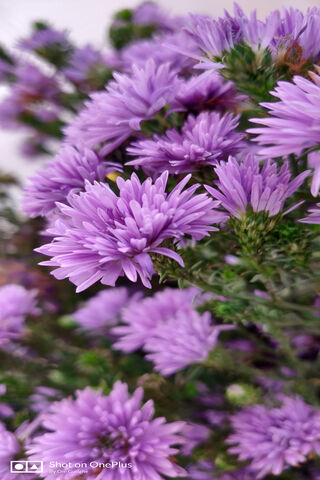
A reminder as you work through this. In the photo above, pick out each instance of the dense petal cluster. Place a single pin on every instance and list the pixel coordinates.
(245, 183)
(102, 311)
(15, 304)
(67, 172)
(203, 141)
(102, 236)
(143, 317)
(184, 339)
(207, 92)
(276, 438)
(111, 117)
(105, 429)
(294, 121)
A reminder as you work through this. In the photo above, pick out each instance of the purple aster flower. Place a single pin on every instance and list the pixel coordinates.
(10, 450)
(183, 340)
(194, 434)
(149, 13)
(276, 438)
(205, 470)
(207, 92)
(42, 398)
(83, 65)
(15, 304)
(244, 183)
(313, 215)
(94, 428)
(67, 172)
(294, 123)
(103, 236)
(162, 49)
(111, 117)
(143, 317)
(314, 162)
(33, 85)
(43, 38)
(203, 141)
(102, 311)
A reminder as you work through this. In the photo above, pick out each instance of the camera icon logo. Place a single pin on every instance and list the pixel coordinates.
(26, 467)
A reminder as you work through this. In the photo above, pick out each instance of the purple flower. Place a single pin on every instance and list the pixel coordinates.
(103, 236)
(314, 162)
(244, 183)
(67, 172)
(33, 85)
(42, 398)
(10, 449)
(294, 123)
(162, 49)
(205, 470)
(102, 311)
(203, 140)
(207, 92)
(94, 428)
(15, 304)
(111, 117)
(44, 38)
(276, 438)
(83, 64)
(313, 215)
(149, 13)
(184, 339)
(143, 317)
(194, 434)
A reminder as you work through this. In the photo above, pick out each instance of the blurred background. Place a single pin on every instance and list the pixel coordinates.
(87, 21)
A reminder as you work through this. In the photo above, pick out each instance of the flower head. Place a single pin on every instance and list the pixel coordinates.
(95, 428)
(184, 339)
(44, 38)
(244, 183)
(111, 117)
(15, 304)
(277, 438)
(102, 311)
(207, 92)
(67, 172)
(203, 141)
(294, 121)
(102, 236)
(143, 317)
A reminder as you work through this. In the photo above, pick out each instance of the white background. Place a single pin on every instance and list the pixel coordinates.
(87, 21)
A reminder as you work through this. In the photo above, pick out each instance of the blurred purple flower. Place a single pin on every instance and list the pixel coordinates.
(244, 183)
(294, 121)
(185, 339)
(313, 215)
(276, 438)
(102, 236)
(67, 172)
(194, 434)
(203, 141)
(10, 449)
(44, 38)
(114, 428)
(143, 317)
(111, 117)
(149, 13)
(102, 311)
(42, 398)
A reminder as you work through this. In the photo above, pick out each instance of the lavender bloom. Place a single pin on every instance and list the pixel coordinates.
(83, 64)
(44, 38)
(103, 236)
(102, 311)
(294, 123)
(207, 92)
(194, 434)
(33, 85)
(6, 70)
(277, 438)
(162, 49)
(111, 117)
(203, 141)
(313, 215)
(106, 429)
(183, 340)
(10, 450)
(67, 172)
(244, 183)
(149, 13)
(143, 317)
(42, 398)
(15, 303)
